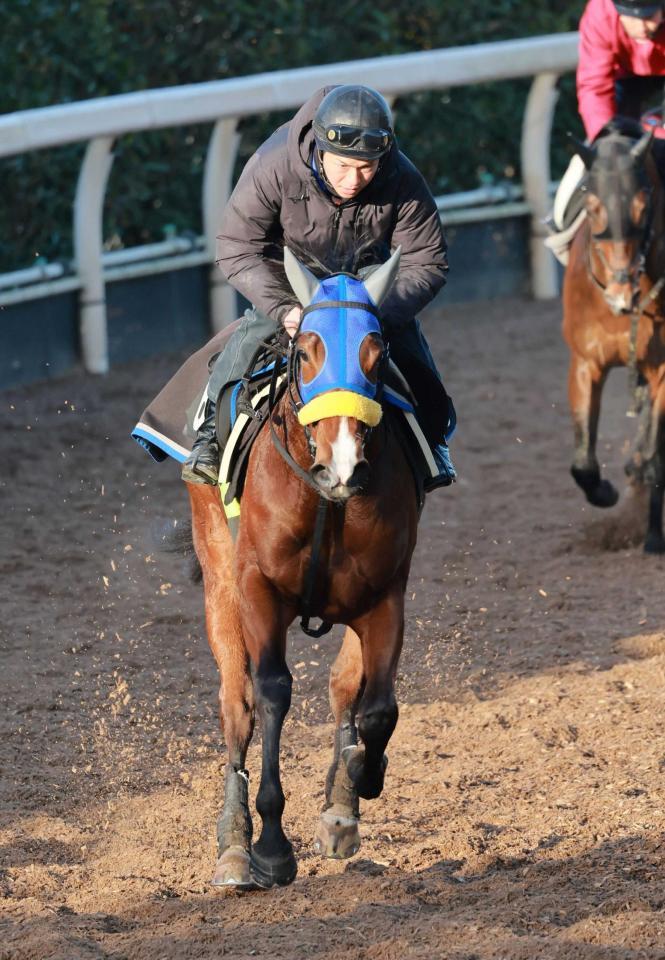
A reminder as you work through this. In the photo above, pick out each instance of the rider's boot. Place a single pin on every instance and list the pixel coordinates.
(202, 465)
(447, 474)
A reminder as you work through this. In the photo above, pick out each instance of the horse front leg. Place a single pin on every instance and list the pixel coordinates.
(337, 834)
(381, 632)
(214, 548)
(265, 623)
(585, 387)
(654, 473)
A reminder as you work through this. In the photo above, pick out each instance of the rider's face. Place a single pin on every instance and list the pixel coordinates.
(348, 176)
(642, 30)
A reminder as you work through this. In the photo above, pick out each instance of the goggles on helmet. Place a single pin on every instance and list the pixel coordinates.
(372, 141)
(635, 8)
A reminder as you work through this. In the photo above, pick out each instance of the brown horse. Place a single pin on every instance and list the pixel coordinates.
(613, 308)
(254, 589)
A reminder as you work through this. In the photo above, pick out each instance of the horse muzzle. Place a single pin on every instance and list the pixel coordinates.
(340, 489)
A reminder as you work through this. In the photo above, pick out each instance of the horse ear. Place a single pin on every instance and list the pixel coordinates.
(587, 153)
(379, 281)
(642, 145)
(303, 282)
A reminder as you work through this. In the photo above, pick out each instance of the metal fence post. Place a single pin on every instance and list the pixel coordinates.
(217, 182)
(535, 149)
(88, 227)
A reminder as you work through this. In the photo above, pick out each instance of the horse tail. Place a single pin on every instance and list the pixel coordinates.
(175, 537)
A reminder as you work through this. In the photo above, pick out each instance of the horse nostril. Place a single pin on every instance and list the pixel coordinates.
(321, 474)
(360, 475)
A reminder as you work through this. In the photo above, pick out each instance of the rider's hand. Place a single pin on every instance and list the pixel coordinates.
(292, 320)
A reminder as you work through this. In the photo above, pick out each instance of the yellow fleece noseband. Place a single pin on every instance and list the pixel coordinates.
(341, 403)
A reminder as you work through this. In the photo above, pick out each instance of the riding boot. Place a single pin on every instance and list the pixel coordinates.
(202, 465)
(447, 473)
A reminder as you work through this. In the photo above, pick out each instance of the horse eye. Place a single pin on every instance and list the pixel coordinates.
(302, 354)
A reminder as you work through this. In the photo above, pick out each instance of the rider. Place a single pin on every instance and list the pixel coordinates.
(333, 185)
(621, 70)
(621, 60)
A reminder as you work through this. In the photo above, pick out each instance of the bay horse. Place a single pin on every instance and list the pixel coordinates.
(345, 457)
(613, 307)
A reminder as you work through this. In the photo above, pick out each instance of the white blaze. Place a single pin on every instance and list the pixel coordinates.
(344, 449)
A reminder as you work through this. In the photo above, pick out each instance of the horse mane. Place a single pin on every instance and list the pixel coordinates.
(620, 126)
(366, 255)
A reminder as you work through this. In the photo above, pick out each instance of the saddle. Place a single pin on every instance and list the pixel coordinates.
(242, 412)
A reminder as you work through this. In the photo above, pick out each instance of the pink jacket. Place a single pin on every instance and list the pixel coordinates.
(607, 54)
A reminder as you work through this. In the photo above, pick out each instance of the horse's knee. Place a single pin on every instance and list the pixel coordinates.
(273, 694)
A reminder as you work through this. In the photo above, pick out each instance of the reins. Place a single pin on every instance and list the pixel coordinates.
(322, 509)
(635, 317)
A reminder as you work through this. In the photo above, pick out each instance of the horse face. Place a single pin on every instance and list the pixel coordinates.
(340, 469)
(617, 202)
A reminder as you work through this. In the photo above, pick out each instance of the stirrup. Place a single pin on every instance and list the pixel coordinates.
(202, 464)
(446, 474)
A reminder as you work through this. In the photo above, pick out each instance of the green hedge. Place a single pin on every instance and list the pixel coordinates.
(56, 52)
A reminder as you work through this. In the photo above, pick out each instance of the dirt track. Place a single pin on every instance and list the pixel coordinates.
(524, 806)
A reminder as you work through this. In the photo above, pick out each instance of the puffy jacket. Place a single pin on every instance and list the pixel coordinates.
(278, 200)
(607, 54)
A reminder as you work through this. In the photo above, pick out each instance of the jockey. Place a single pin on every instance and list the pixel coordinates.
(333, 186)
(621, 71)
(621, 60)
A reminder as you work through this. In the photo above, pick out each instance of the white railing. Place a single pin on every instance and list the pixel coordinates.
(100, 122)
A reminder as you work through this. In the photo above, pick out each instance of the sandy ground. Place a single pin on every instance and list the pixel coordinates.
(524, 808)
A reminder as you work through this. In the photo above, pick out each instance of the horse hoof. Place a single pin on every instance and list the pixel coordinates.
(654, 543)
(368, 783)
(337, 837)
(598, 492)
(604, 495)
(232, 869)
(268, 873)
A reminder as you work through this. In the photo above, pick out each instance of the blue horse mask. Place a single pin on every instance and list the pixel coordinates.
(342, 331)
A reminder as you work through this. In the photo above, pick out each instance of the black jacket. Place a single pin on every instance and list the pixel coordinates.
(278, 200)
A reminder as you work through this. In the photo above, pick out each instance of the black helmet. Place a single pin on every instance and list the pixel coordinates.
(354, 121)
(637, 8)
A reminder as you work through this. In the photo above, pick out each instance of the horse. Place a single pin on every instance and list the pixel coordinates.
(332, 457)
(613, 308)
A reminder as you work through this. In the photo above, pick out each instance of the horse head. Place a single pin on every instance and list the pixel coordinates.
(619, 201)
(338, 351)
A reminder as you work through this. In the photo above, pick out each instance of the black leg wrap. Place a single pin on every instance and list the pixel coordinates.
(234, 825)
(340, 791)
(598, 492)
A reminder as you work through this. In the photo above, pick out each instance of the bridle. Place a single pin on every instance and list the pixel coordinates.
(633, 272)
(289, 383)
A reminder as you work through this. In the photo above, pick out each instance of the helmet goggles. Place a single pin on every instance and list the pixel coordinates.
(343, 136)
(637, 8)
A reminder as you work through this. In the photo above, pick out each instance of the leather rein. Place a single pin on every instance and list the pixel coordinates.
(277, 389)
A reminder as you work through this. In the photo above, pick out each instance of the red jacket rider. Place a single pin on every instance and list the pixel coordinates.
(621, 59)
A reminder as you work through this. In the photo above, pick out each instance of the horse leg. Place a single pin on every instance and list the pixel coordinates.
(264, 628)
(381, 631)
(654, 473)
(585, 386)
(337, 833)
(214, 548)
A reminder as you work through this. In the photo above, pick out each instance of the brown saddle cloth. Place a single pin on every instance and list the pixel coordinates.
(167, 426)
